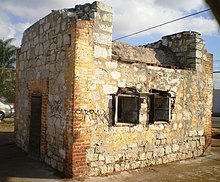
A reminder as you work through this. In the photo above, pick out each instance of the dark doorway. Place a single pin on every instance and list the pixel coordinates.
(35, 126)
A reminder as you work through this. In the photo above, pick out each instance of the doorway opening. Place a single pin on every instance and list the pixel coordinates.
(35, 126)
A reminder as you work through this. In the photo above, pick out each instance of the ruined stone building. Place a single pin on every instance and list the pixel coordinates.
(88, 106)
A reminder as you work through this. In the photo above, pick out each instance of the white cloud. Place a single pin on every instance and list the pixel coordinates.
(205, 26)
(16, 17)
(13, 31)
(20, 27)
(7, 29)
(183, 5)
(137, 15)
(10, 29)
(35, 9)
(129, 16)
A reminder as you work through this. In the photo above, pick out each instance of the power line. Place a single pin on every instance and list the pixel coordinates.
(168, 22)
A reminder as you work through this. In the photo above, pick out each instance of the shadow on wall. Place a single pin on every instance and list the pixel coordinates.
(164, 54)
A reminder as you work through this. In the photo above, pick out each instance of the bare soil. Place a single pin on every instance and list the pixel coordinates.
(7, 131)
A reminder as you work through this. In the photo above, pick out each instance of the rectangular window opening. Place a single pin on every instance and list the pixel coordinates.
(160, 108)
(127, 108)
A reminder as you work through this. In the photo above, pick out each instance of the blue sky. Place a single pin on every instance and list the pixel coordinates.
(129, 16)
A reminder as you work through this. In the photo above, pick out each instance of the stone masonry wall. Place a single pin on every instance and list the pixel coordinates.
(56, 61)
(43, 69)
(188, 48)
(117, 148)
(92, 41)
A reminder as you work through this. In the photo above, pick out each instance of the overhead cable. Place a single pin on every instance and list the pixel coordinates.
(162, 24)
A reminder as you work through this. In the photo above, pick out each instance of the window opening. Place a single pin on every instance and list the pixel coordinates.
(160, 106)
(126, 106)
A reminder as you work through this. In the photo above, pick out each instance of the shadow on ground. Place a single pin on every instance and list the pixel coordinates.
(16, 165)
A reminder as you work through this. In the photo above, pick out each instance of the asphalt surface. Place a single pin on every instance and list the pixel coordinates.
(17, 166)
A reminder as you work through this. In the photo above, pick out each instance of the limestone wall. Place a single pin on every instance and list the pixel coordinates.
(117, 148)
(43, 69)
(188, 48)
(69, 58)
(56, 56)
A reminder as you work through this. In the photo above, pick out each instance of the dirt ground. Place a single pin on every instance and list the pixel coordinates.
(16, 166)
(6, 131)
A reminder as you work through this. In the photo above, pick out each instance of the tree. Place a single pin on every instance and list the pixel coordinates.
(7, 69)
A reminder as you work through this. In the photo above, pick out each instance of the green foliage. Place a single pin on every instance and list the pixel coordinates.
(7, 69)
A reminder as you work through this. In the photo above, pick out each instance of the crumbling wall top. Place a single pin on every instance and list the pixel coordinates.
(184, 50)
(86, 11)
(127, 53)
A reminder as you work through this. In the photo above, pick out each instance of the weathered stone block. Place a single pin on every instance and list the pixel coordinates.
(109, 159)
(46, 26)
(175, 148)
(110, 168)
(101, 157)
(168, 149)
(142, 156)
(111, 65)
(132, 156)
(93, 157)
(95, 171)
(115, 75)
(135, 164)
(102, 39)
(159, 161)
(193, 133)
(66, 39)
(100, 73)
(96, 163)
(109, 89)
(158, 142)
(201, 132)
(202, 141)
(117, 167)
(158, 152)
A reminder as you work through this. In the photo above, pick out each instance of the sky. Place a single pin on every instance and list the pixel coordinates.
(128, 16)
